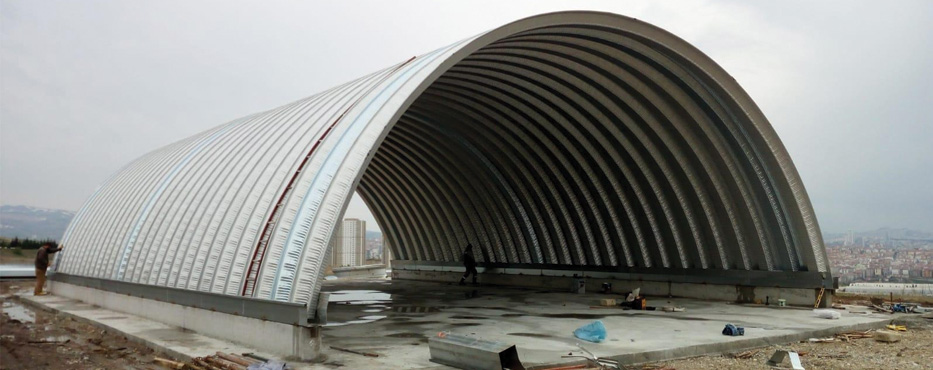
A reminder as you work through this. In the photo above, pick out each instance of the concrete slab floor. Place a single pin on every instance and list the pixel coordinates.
(395, 319)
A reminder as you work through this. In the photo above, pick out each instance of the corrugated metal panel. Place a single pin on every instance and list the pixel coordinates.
(576, 138)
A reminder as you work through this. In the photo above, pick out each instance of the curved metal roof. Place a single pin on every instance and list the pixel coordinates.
(573, 138)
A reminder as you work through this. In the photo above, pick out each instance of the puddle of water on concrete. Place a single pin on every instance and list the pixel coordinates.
(360, 297)
(359, 320)
(406, 335)
(356, 303)
(532, 335)
(373, 310)
(19, 312)
(490, 308)
(575, 315)
(409, 323)
(417, 309)
(351, 322)
(465, 317)
(593, 316)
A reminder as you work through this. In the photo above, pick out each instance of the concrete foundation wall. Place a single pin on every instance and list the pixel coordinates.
(282, 339)
(361, 272)
(731, 293)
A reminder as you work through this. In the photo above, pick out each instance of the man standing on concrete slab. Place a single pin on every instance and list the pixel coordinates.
(470, 263)
(42, 264)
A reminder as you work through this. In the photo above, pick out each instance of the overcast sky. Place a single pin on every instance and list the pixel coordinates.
(87, 86)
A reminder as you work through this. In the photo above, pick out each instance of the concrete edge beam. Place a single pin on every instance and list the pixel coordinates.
(360, 272)
(283, 312)
(805, 297)
(304, 343)
(784, 279)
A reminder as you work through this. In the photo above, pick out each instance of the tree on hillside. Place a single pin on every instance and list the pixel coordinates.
(29, 243)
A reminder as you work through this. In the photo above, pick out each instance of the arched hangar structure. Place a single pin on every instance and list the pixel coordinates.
(574, 141)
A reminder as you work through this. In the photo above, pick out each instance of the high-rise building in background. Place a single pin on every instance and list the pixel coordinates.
(386, 255)
(850, 239)
(349, 243)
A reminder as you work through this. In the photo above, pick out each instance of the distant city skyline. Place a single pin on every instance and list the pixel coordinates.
(880, 259)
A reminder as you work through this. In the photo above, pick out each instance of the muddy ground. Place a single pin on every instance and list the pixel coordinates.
(36, 339)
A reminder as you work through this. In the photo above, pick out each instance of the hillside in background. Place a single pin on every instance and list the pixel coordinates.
(33, 222)
(373, 234)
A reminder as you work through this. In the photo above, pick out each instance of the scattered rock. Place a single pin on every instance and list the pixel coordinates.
(887, 336)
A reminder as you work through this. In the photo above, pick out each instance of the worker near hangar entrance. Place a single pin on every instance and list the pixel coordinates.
(469, 263)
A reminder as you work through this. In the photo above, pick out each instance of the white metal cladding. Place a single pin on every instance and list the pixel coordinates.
(574, 138)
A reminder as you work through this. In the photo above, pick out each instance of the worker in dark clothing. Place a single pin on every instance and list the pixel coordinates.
(470, 263)
(42, 264)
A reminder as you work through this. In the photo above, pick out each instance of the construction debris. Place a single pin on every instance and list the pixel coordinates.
(742, 355)
(465, 352)
(169, 363)
(827, 314)
(845, 337)
(255, 356)
(224, 361)
(896, 327)
(593, 360)
(656, 367)
(235, 359)
(367, 354)
(886, 307)
(777, 359)
(732, 330)
(593, 332)
(607, 302)
(887, 336)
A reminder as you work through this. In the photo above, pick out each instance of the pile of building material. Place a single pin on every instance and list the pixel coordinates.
(464, 352)
(848, 336)
(632, 301)
(844, 337)
(224, 361)
(879, 305)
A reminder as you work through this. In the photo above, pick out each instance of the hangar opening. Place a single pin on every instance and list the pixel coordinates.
(580, 147)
